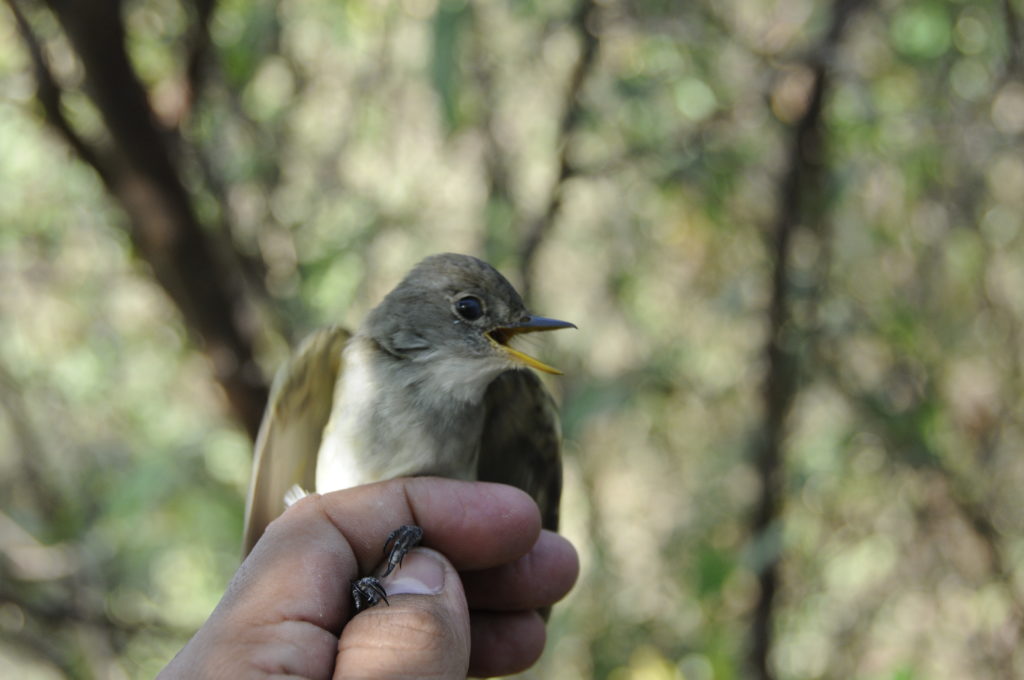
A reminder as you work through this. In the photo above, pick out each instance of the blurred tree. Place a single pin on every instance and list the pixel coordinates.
(138, 163)
(790, 232)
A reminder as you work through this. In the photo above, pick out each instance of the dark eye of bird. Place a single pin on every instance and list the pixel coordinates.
(469, 308)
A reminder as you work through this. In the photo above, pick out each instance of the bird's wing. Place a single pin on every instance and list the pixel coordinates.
(521, 442)
(293, 424)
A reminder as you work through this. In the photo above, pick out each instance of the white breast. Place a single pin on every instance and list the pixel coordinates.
(399, 419)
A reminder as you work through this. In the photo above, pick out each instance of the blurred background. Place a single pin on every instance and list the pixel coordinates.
(789, 231)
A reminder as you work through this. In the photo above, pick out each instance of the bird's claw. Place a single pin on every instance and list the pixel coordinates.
(402, 540)
(367, 592)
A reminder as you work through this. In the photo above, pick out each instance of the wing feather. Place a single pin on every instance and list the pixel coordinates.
(289, 437)
(521, 441)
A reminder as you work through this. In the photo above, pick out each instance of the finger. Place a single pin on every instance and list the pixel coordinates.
(281, 610)
(290, 598)
(505, 643)
(424, 632)
(538, 579)
(308, 555)
(476, 525)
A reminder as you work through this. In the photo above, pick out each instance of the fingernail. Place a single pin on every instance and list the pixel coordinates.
(420, 574)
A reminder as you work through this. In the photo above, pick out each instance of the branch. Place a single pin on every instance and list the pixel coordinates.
(33, 459)
(801, 182)
(204, 73)
(969, 504)
(197, 51)
(48, 93)
(1014, 46)
(56, 624)
(42, 647)
(583, 19)
(139, 170)
(498, 176)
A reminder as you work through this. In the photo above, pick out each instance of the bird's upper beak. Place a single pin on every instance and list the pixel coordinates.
(500, 337)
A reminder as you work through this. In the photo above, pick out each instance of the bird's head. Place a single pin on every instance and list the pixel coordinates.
(458, 310)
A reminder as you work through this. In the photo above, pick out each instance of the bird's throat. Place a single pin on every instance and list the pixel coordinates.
(393, 417)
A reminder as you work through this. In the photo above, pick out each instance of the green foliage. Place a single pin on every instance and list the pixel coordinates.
(246, 33)
(450, 22)
(922, 30)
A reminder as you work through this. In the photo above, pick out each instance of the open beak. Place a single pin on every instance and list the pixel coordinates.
(533, 324)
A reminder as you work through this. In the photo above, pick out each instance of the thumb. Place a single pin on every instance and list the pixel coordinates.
(423, 633)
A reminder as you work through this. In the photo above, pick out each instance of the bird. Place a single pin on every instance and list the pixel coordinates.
(428, 384)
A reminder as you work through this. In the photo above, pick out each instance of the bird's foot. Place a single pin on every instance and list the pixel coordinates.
(367, 592)
(402, 540)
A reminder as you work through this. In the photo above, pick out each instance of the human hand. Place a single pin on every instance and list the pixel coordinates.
(288, 610)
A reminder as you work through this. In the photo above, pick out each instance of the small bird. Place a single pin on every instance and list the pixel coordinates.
(428, 385)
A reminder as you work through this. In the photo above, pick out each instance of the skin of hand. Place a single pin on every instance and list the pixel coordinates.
(463, 605)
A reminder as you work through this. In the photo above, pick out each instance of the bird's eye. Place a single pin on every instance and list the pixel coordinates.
(469, 308)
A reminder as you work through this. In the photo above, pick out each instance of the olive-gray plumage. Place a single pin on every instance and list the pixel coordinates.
(428, 385)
